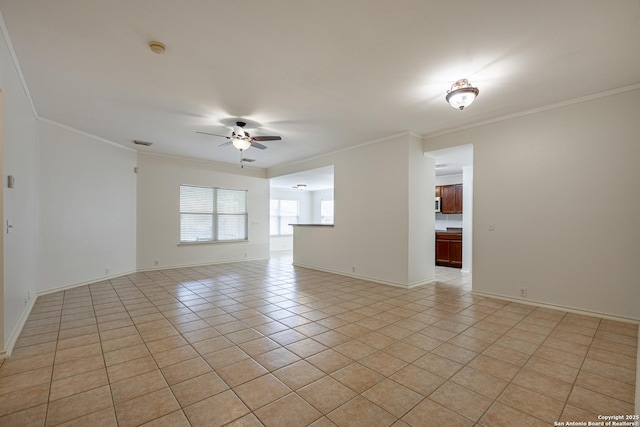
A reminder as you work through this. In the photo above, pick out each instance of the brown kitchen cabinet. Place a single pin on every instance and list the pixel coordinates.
(451, 199)
(449, 249)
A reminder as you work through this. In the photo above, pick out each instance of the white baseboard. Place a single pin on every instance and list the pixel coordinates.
(369, 279)
(637, 410)
(86, 282)
(13, 337)
(558, 307)
(584, 313)
(202, 264)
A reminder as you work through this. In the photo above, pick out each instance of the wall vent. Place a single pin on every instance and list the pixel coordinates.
(145, 143)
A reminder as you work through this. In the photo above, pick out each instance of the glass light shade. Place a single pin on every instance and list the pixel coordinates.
(241, 144)
(462, 94)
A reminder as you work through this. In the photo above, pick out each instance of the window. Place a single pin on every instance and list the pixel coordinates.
(326, 212)
(209, 214)
(283, 213)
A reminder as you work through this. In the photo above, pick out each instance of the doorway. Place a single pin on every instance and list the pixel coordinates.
(2, 343)
(300, 198)
(454, 168)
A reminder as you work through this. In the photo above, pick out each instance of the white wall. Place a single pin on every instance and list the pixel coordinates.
(444, 221)
(370, 238)
(421, 182)
(467, 219)
(578, 162)
(449, 179)
(305, 206)
(159, 180)
(87, 209)
(20, 203)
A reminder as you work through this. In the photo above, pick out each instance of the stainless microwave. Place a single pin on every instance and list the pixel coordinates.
(438, 201)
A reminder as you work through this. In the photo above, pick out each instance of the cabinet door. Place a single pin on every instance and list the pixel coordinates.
(458, 202)
(442, 252)
(455, 253)
(438, 189)
(448, 203)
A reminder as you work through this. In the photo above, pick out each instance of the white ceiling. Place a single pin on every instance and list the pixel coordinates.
(314, 179)
(450, 161)
(324, 75)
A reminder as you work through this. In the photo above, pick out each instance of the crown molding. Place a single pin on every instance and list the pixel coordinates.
(16, 65)
(536, 110)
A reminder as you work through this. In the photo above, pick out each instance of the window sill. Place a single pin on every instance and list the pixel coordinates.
(311, 225)
(215, 242)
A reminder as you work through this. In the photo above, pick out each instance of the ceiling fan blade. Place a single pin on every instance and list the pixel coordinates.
(224, 144)
(214, 134)
(258, 145)
(266, 138)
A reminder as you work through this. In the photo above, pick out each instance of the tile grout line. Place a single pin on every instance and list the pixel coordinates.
(573, 384)
(523, 367)
(238, 293)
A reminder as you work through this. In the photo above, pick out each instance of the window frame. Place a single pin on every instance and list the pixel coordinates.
(322, 217)
(279, 217)
(215, 215)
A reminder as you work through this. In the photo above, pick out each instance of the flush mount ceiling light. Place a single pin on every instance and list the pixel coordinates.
(300, 186)
(157, 47)
(461, 94)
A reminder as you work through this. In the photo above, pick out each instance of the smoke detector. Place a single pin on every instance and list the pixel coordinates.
(157, 47)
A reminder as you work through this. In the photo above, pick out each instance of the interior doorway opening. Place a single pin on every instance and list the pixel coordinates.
(300, 198)
(454, 206)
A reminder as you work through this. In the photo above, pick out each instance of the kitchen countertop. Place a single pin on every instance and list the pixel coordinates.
(450, 231)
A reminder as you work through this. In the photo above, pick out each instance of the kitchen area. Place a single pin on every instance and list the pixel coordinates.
(448, 207)
(453, 207)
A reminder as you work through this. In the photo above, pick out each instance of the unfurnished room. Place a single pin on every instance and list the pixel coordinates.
(319, 213)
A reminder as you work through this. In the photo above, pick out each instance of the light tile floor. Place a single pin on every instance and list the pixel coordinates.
(264, 343)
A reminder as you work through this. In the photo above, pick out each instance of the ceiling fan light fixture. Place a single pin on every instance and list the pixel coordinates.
(300, 186)
(241, 143)
(461, 94)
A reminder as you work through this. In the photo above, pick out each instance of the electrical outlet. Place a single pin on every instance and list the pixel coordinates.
(523, 292)
(106, 271)
(353, 269)
(156, 263)
(491, 226)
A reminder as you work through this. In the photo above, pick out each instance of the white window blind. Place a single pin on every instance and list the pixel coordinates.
(283, 213)
(209, 214)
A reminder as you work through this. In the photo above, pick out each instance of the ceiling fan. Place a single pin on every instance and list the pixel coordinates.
(242, 140)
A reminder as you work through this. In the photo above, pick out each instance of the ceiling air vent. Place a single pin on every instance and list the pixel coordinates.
(145, 143)
(248, 160)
